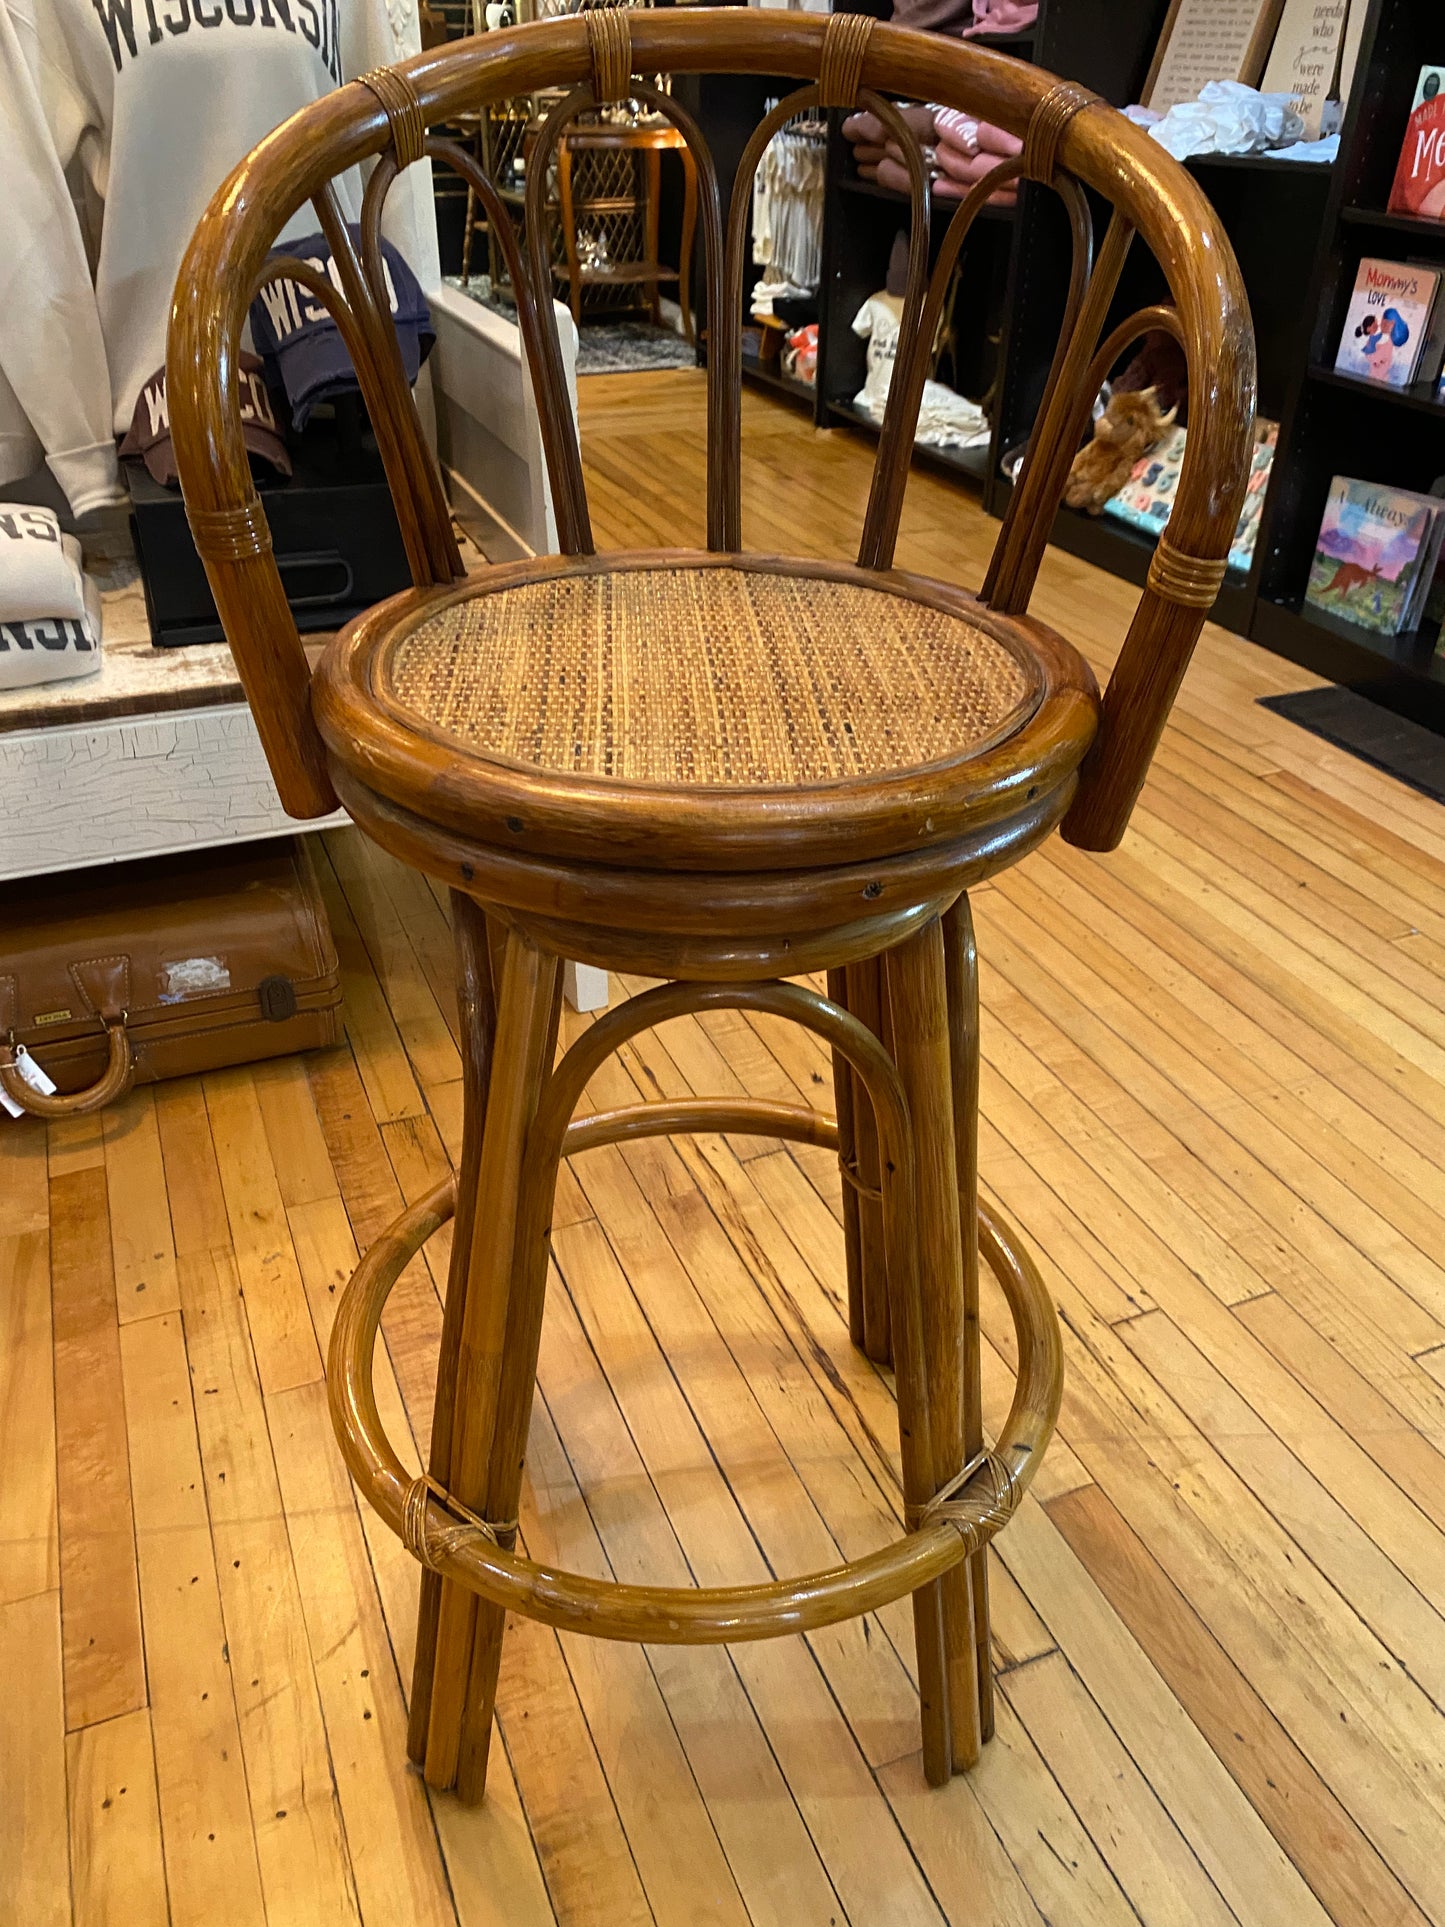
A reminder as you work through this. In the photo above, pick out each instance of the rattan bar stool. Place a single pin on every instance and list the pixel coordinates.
(722, 770)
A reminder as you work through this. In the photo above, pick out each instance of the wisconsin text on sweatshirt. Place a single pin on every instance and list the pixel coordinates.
(132, 25)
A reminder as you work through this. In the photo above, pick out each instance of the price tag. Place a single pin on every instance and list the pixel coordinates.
(30, 1073)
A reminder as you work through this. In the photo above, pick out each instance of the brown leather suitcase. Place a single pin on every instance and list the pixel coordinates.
(139, 971)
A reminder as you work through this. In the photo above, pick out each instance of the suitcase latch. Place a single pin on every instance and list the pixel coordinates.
(278, 999)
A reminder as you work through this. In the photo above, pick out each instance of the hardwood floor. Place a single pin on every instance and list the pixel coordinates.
(1214, 1100)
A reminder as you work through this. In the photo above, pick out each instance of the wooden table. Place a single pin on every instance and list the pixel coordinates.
(652, 142)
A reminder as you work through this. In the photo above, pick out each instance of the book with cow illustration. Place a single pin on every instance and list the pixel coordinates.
(1376, 555)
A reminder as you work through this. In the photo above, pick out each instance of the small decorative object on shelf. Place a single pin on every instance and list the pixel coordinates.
(1419, 187)
(1123, 435)
(1376, 554)
(1392, 331)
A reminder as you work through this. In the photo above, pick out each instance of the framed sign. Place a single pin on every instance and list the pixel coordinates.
(1207, 40)
(1306, 57)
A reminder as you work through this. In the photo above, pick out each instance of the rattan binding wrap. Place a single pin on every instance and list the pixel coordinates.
(1046, 128)
(840, 73)
(610, 38)
(1193, 581)
(723, 676)
(230, 535)
(946, 1507)
(403, 112)
(430, 1544)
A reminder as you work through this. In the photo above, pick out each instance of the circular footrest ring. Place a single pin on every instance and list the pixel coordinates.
(962, 1517)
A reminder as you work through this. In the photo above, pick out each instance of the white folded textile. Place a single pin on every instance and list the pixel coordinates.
(40, 572)
(50, 620)
(1228, 118)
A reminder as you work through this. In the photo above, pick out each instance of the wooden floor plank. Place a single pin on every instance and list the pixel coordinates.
(29, 1544)
(276, 1313)
(299, 1836)
(1242, 1580)
(1147, 1855)
(34, 1851)
(115, 1825)
(680, 1860)
(105, 1670)
(142, 1245)
(1321, 1838)
(371, 1030)
(390, 1838)
(1227, 1839)
(830, 1783)
(206, 1822)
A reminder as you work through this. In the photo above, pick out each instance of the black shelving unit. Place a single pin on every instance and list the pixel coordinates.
(1299, 230)
(1333, 425)
(1106, 45)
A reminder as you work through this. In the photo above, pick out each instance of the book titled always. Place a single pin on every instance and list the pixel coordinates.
(1376, 555)
(1389, 324)
(1420, 178)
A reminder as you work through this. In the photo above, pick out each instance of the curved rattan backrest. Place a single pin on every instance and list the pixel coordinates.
(1070, 141)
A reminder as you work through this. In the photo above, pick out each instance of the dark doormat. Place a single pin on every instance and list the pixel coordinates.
(1414, 754)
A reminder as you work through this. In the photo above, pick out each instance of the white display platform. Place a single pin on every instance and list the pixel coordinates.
(488, 437)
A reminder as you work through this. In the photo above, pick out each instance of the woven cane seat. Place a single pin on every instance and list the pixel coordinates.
(724, 677)
(683, 710)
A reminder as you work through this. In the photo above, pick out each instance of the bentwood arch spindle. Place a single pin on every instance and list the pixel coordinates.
(719, 769)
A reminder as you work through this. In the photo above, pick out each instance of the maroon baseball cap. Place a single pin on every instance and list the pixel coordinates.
(149, 435)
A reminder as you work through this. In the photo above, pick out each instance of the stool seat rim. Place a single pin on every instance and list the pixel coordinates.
(650, 825)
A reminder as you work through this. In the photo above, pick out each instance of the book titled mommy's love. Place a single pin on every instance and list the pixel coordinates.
(1420, 177)
(1389, 324)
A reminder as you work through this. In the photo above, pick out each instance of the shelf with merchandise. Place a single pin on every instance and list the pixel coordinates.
(1125, 551)
(1423, 396)
(1417, 230)
(970, 462)
(1265, 165)
(940, 205)
(768, 376)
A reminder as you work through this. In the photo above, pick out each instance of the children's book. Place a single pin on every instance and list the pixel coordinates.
(1146, 501)
(1389, 323)
(1420, 177)
(1376, 555)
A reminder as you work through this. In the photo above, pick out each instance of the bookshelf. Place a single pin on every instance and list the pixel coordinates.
(1334, 425)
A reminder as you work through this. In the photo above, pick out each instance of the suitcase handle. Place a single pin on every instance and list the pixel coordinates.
(113, 1082)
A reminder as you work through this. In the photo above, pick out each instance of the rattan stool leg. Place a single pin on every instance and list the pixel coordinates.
(845, 1097)
(961, 965)
(476, 1006)
(917, 992)
(520, 1345)
(866, 999)
(528, 992)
